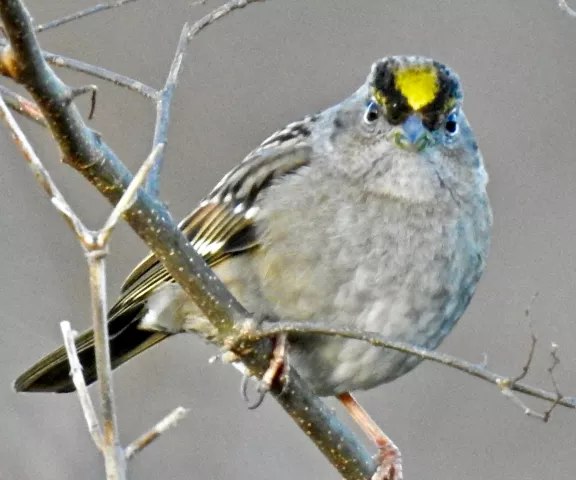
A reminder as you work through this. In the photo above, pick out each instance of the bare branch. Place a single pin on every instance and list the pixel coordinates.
(376, 339)
(544, 416)
(114, 458)
(95, 245)
(164, 98)
(101, 73)
(534, 340)
(81, 14)
(147, 438)
(564, 6)
(129, 195)
(551, 369)
(39, 171)
(526, 367)
(80, 384)
(95, 254)
(77, 91)
(163, 102)
(92, 70)
(23, 106)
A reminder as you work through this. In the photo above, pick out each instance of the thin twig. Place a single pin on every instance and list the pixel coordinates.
(528, 364)
(147, 438)
(163, 102)
(95, 245)
(114, 459)
(81, 14)
(506, 384)
(92, 89)
(92, 70)
(164, 98)
(95, 254)
(101, 73)
(80, 384)
(23, 106)
(379, 340)
(533, 342)
(551, 369)
(39, 171)
(544, 416)
(129, 196)
(564, 6)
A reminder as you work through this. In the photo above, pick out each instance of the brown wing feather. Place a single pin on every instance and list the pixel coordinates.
(223, 225)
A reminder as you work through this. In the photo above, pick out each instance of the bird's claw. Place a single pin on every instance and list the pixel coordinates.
(389, 463)
(277, 370)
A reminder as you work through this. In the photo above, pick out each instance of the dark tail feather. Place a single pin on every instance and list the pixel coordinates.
(52, 373)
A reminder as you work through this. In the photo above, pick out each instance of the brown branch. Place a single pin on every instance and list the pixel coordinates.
(81, 14)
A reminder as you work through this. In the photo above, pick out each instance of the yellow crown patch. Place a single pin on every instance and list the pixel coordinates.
(418, 84)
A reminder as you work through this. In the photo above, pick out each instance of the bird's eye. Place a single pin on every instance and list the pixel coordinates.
(372, 112)
(451, 124)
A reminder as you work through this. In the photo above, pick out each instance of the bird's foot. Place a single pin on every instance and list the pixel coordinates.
(388, 456)
(277, 371)
(389, 462)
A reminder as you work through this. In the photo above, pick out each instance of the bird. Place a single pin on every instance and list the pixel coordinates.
(372, 215)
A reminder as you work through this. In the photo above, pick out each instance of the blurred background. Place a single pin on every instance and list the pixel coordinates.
(244, 77)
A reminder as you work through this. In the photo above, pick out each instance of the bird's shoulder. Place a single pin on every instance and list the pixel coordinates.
(223, 224)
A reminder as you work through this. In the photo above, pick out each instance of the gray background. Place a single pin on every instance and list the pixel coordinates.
(246, 76)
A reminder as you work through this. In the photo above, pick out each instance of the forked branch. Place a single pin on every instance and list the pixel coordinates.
(24, 62)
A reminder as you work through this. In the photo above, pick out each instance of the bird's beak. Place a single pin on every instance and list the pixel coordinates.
(411, 135)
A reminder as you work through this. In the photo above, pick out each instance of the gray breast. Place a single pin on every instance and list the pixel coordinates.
(368, 262)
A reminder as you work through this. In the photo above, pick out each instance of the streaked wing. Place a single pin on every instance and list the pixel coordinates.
(223, 224)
